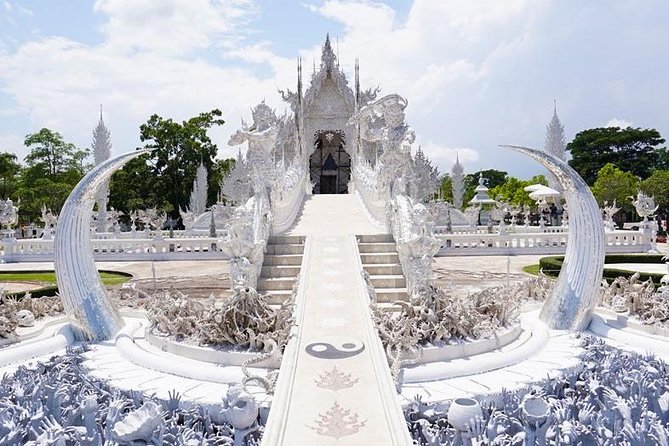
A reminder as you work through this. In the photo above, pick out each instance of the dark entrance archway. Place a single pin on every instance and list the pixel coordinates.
(330, 164)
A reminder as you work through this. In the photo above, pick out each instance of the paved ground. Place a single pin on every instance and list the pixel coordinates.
(468, 274)
(197, 278)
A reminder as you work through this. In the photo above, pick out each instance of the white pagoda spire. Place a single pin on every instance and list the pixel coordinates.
(555, 144)
(101, 152)
(457, 182)
(198, 196)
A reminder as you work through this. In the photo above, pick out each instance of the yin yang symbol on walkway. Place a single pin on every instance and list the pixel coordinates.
(335, 347)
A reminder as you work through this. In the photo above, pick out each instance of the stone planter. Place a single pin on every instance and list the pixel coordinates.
(463, 410)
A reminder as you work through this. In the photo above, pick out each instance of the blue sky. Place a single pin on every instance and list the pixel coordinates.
(476, 73)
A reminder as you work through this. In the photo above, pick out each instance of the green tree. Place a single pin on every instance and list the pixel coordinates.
(51, 155)
(446, 188)
(54, 167)
(633, 150)
(9, 175)
(657, 185)
(178, 148)
(136, 187)
(662, 158)
(613, 183)
(513, 190)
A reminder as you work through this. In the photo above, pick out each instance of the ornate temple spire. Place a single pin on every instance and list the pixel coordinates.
(328, 57)
(101, 146)
(101, 141)
(357, 84)
(198, 196)
(457, 182)
(555, 143)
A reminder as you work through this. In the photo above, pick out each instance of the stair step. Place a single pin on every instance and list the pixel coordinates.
(286, 239)
(278, 283)
(383, 268)
(282, 259)
(374, 238)
(389, 295)
(285, 249)
(377, 247)
(268, 272)
(379, 257)
(277, 297)
(388, 281)
(386, 307)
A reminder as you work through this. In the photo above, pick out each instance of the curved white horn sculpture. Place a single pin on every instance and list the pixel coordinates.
(84, 296)
(575, 295)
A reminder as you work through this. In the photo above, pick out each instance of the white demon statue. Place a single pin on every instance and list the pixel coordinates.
(394, 137)
(261, 137)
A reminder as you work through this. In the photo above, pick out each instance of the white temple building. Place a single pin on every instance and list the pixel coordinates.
(334, 330)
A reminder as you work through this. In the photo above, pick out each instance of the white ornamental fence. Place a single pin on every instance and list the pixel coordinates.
(158, 248)
(518, 243)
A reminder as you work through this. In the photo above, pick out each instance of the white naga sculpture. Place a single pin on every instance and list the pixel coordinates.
(576, 291)
(413, 232)
(84, 296)
(261, 137)
(247, 234)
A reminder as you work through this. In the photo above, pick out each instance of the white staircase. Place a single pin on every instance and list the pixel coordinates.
(281, 266)
(380, 259)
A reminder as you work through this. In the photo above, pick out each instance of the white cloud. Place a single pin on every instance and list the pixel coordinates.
(13, 144)
(173, 26)
(615, 122)
(444, 157)
(476, 74)
(59, 82)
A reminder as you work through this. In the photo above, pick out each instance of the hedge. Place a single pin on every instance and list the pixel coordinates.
(551, 266)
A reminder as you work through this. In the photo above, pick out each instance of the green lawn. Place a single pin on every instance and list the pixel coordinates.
(49, 277)
(532, 269)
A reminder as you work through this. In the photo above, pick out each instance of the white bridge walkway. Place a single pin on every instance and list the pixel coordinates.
(335, 386)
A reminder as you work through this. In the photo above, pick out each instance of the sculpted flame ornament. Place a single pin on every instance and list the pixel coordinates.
(84, 296)
(645, 206)
(575, 295)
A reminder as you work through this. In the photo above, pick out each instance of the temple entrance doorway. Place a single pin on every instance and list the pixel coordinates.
(330, 164)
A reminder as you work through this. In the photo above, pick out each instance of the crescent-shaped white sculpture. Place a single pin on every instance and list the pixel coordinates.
(84, 296)
(571, 304)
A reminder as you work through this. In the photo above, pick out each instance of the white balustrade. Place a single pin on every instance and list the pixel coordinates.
(534, 243)
(177, 248)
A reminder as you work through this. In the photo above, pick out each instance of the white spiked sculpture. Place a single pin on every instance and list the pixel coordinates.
(575, 294)
(84, 296)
